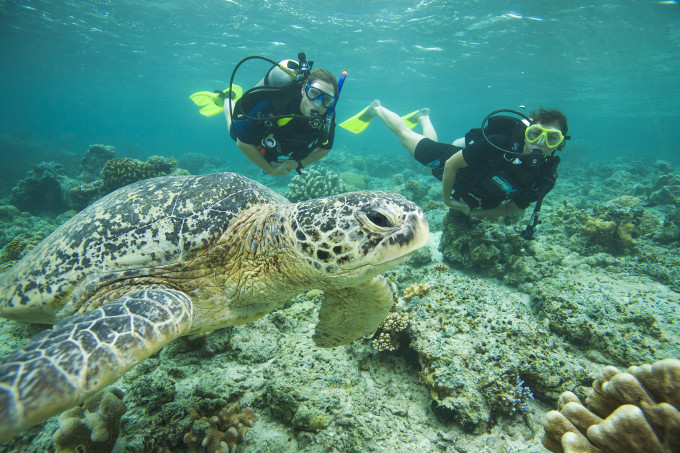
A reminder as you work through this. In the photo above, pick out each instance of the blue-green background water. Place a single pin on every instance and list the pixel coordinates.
(120, 73)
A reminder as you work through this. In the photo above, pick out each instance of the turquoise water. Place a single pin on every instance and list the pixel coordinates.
(120, 72)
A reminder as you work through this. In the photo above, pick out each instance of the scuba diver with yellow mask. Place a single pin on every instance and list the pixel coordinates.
(286, 121)
(497, 169)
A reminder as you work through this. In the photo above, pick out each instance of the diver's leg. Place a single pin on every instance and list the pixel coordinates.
(408, 138)
(426, 124)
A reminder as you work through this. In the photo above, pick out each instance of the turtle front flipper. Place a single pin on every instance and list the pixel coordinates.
(350, 313)
(83, 353)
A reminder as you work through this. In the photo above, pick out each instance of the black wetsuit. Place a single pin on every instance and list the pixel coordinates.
(293, 137)
(491, 176)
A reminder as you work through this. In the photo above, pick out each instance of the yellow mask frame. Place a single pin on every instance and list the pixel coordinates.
(551, 137)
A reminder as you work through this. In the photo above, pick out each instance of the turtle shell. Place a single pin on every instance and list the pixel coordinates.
(147, 224)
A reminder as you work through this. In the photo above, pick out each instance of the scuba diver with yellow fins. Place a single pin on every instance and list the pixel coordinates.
(497, 169)
(286, 121)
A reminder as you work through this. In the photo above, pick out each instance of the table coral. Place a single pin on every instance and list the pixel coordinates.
(635, 411)
(93, 426)
(221, 432)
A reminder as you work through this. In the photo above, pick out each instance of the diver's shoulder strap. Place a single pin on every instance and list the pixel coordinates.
(280, 99)
(498, 125)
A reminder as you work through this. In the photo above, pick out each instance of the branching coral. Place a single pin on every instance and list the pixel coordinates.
(221, 432)
(390, 330)
(121, 172)
(14, 250)
(315, 184)
(508, 396)
(416, 289)
(636, 411)
(93, 426)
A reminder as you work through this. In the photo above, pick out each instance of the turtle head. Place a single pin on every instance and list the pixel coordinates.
(358, 235)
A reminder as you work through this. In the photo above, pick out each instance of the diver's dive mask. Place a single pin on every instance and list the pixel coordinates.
(537, 134)
(316, 94)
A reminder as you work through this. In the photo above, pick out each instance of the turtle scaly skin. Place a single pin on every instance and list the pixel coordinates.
(176, 256)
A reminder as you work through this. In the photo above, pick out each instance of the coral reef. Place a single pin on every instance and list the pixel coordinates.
(42, 190)
(486, 245)
(7, 211)
(93, 161)
(93, 426)
(671, 229)
(315, 183)
(152, 391)
(79, 197)
(416, 191)
(309, 420)
(615, 225)
(480, 349)
(666, 191)
(197, 163)
(508, 395)
(626, 319)
(354, 181)
(121, 172)
(15, 249)
(161, 165)
(441, 268)
(390, 331)
(416, 290)
(219, 432)
(637, 411)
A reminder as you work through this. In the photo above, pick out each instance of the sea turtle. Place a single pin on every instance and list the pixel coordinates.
(184, 255)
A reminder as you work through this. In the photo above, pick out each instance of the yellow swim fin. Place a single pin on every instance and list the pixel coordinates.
(361, 120)
(212, 102)
(411, 119)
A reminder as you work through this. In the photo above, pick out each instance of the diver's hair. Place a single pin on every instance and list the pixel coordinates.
(324, 76)
(550, 116)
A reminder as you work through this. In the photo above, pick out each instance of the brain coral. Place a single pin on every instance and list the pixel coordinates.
(637, 411)
(93, 426)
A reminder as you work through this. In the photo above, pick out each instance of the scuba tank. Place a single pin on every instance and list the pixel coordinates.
(276, 76)
(286, 72)
(282, 74)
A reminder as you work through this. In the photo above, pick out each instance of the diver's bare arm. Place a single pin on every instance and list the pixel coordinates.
(451, 167)
(315, 155)
(254, 155)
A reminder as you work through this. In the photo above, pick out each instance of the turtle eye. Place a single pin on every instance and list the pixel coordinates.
(378, 219)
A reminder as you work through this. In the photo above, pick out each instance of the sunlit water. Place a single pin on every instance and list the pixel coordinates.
(76, 73)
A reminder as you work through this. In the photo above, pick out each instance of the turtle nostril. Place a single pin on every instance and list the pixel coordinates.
(378, 219)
